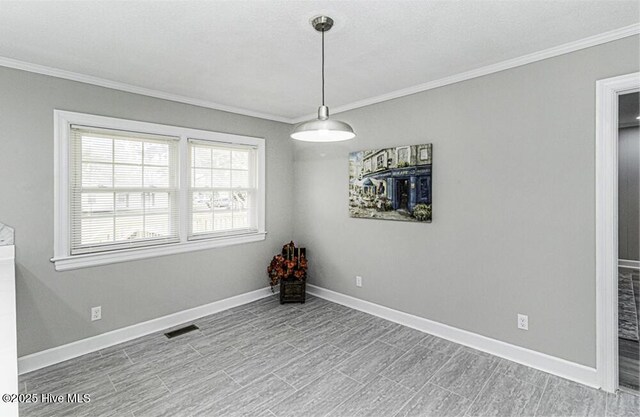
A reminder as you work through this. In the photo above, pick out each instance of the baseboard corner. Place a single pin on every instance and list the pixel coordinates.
(553, 365)
(48, 357)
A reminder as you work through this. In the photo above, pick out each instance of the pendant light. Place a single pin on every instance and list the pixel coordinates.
(322, 129)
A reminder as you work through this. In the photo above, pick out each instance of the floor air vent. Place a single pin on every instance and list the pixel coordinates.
(181, 331)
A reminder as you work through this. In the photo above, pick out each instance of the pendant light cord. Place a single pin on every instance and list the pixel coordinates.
(323, 67)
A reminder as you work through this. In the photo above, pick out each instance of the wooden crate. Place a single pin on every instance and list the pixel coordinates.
(292, 291)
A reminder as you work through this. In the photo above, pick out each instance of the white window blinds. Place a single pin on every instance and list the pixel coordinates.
(223, 188)
(123, 190)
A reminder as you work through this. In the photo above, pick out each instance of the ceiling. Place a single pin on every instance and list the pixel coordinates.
(263, 57)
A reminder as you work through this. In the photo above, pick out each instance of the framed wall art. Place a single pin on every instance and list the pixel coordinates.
(391, 183)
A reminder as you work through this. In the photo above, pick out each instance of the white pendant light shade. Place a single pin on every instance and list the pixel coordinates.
(323, 129)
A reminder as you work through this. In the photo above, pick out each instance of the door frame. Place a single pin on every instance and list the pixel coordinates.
(607, 92)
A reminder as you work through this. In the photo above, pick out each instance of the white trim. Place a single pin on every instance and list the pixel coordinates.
(7, 253)
(184, 179)
(61, 229)
(116, 85)
(72, 350)
(125, 255)
(62, 248)
(626, 263)
(607, 92)
(262, 189)
(8, 334)
(551, 364)
(566, 48)
(66, 118)
(541, 361)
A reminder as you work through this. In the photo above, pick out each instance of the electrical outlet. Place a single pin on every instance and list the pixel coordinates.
(523, 322)
(358, 281)
(96, 313)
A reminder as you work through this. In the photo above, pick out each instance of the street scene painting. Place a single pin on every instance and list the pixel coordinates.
(391, 183)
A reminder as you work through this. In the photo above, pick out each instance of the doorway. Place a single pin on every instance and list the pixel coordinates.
(628, 241)
(402, 194)
(608, 93)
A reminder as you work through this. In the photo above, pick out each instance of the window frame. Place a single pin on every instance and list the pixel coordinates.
(252, 190)
(62, 258)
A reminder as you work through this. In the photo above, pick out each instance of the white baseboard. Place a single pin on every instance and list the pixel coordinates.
(626, 263)
(560, 367)
(72, 350)
(551, 364)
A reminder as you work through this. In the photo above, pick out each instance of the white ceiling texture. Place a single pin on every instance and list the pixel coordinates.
(263, 57)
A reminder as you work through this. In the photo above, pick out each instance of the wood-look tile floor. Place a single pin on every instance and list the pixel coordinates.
(315, 359)
(629, 350)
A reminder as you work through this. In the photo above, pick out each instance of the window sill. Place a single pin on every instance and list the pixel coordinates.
(105, 258)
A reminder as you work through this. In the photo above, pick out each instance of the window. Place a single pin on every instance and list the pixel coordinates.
(403, 156)
(424, 154)
(222, 189)
(129, 190)
(123, 190)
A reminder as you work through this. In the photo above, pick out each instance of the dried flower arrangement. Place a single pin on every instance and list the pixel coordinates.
(291, 264)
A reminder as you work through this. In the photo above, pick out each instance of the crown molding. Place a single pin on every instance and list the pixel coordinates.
(566, 48)
(490, 69)
(102, 82)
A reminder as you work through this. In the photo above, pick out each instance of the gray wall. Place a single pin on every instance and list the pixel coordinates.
(53, 307)
(513, 213)
(513, 228)
(629, 193)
